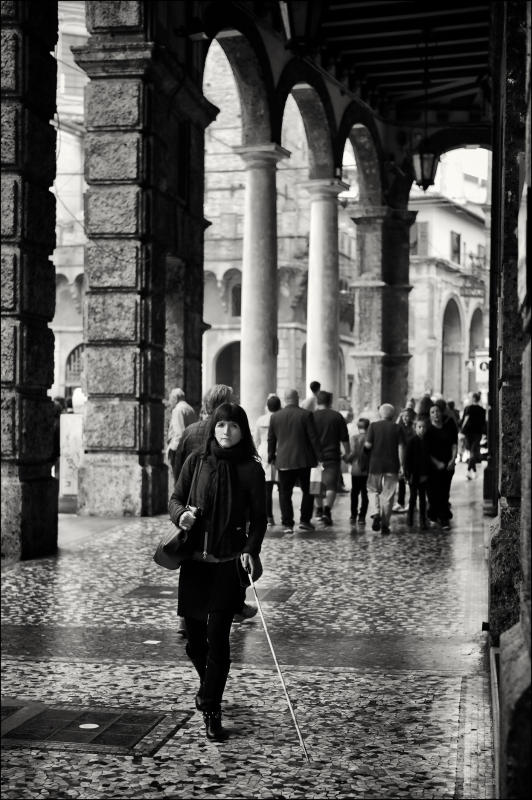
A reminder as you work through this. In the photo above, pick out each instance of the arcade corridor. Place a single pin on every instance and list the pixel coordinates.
(380, 642)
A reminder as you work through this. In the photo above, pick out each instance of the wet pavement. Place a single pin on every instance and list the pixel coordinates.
(379, 639)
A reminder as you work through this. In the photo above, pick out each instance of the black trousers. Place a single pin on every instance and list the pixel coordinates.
(209, 650)
(287, 480)
(473, 445)
(269, 499)
(401, 491)
(417, 489)
(439, 490)
(359, 484)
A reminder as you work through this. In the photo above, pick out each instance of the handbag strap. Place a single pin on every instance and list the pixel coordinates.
(194, 482)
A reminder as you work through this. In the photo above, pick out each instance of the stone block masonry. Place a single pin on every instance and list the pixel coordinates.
(29, 493)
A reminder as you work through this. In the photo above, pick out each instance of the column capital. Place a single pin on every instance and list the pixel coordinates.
(323, 188)
(258, 155)
(362, 213)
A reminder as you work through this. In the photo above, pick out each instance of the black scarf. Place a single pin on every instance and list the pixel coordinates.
(218, 500)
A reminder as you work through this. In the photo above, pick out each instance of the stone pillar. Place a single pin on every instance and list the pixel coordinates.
(381, 306)
(323, 297)
(29, 493)
(259, 343)
(145, 122)
(509, 569)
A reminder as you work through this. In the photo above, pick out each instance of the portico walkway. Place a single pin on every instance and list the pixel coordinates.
(380, 640)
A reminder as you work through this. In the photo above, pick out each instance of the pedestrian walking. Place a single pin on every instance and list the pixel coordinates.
(260, 438)
(473, 427)
(406, 421)
(333, 438)
(294, 448)
(442, 442)
(220, 499)
(359, 460)
(182, 415)
(194, 439)
(196, 434)
(310, 401)
(417, 469)
(385, 442)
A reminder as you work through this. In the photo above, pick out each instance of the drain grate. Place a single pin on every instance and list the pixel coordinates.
(92, 729)
(159, 591)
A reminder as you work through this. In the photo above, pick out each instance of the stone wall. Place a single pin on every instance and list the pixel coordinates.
(29, 493)
(145, 123)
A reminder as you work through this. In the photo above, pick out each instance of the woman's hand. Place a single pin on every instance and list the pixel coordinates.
(187, 518)
(247, 562)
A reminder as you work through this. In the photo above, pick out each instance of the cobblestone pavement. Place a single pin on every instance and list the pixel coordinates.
(379, 640)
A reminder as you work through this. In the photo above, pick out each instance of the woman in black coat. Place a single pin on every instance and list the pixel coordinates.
(220, 498)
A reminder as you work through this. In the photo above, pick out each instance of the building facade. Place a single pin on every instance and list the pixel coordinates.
(146, 117)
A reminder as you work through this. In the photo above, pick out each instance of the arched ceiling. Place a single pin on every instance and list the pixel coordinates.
(378, 48)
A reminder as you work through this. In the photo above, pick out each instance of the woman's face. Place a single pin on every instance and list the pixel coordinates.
(227, 433)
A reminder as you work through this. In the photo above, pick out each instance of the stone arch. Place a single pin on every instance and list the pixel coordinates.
(244, 49)
(476, 342)
(452, 351)
(313, 102)
(359, 128)
(227, 366)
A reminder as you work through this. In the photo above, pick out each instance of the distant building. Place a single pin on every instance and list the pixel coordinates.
(69, 186)
(448, 325)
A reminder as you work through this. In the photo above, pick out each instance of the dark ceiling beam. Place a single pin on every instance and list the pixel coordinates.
(483, 41)
(464, 69)
(384, 35)
(440, 14)
(449, 58)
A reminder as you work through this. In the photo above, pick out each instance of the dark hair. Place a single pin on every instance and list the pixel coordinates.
(273, 403)
(363, 422)
(424, 419)
(315, 386)
(217, 394)
(324, 398)
(476, 396)
(234, 413)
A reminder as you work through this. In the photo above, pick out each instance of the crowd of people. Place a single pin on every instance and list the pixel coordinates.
(224, 474)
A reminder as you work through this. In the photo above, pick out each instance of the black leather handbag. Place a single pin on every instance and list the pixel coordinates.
(175, 545)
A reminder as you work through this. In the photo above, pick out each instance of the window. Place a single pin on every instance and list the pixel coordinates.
(74, 366)
(419, 239)
(456, 247)
(236, 300)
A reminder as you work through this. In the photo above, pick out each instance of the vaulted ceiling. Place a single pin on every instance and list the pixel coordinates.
(392, 52)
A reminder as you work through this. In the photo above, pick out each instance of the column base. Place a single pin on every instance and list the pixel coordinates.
(116, 485)
(514, 692)
(29, 517)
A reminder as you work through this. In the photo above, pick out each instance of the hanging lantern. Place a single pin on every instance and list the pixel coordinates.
(425, 165)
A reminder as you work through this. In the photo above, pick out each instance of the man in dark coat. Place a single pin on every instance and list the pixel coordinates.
(294, 447)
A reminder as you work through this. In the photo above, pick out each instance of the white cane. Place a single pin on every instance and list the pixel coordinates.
(278, 667)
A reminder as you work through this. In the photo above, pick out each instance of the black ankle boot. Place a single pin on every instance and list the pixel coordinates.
(199, 698)
(213, 726)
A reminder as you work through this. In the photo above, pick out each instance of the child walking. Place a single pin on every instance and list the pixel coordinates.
(358, 457)
(417, 465)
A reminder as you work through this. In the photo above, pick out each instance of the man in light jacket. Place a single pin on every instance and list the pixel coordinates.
(294, 448)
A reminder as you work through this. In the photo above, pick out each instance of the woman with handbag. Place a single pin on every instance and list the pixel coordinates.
(262, 426)
(220, 499)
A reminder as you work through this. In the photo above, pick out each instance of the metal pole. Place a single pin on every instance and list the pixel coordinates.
(278, 668)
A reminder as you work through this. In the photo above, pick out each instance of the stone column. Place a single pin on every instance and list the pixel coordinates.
(145, 122)
(29, 493)
(323, 297)
(259, 343)
(381, 306)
